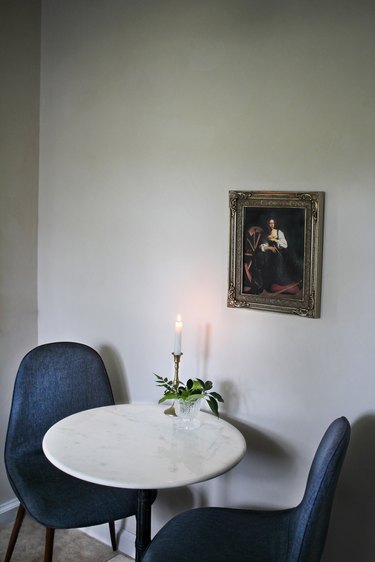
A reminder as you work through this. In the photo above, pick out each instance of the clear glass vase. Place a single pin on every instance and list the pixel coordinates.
(187, 412)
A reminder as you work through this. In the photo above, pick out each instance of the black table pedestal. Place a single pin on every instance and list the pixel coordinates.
(143, 527)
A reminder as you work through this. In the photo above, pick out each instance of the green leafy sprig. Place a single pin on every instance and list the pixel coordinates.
(194, 389)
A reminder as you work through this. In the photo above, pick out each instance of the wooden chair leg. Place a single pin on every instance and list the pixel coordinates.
(112, 532)
(16, 528)
(48, 549)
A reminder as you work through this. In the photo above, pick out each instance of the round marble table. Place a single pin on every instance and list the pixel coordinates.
(138, 446)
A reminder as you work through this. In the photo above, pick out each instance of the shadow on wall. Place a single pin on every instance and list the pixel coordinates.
(116, 372)
(272, 459)
(172, 501)
(266, 459)
(351, 535)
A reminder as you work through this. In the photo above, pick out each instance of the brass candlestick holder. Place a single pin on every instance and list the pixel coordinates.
(177, 358)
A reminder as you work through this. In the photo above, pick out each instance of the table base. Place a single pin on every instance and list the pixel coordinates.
(143, 517)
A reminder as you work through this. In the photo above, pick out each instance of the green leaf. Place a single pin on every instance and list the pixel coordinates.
(167, 396)
(183, 393)
(198, 385)
(213, 405)
(193, 397)
(217, 396)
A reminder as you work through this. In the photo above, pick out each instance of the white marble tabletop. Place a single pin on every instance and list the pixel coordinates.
(138, 446)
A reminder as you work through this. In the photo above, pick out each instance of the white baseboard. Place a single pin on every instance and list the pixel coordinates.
(125, 538)
(8, 511)
(126, 543)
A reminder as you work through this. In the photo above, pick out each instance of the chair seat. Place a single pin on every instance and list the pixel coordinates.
(215, 534)
(60, 501)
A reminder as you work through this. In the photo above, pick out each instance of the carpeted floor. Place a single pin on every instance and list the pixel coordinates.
(69, 546)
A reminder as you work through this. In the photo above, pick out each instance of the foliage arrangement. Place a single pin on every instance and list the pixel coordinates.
(194, 389)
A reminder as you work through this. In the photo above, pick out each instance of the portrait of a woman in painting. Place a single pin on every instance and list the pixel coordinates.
(273, 252)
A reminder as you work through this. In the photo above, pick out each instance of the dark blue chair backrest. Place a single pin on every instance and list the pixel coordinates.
(311, 518)
(53, 381)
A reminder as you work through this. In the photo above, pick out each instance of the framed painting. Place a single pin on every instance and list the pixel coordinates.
(275, 253)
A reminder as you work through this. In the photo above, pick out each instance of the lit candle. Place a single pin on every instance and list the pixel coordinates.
(177, 336)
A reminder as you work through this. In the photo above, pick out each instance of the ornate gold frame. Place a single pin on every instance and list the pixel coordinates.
(305, 209)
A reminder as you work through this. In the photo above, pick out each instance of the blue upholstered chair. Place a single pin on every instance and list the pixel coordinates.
(54, 381)
(290, 535)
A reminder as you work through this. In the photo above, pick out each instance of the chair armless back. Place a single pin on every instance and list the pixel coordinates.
(53, 381)
(311, 518)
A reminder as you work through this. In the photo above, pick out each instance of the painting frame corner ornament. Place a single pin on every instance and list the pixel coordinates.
(275, 251)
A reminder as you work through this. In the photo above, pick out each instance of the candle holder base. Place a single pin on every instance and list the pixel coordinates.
(170, 411)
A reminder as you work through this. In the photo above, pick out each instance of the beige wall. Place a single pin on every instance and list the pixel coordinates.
(19, 132)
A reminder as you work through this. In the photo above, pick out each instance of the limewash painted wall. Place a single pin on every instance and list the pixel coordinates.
(150, 112)
(19, 132)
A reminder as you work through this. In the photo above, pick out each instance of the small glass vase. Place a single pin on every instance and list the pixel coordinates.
(187, 413)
